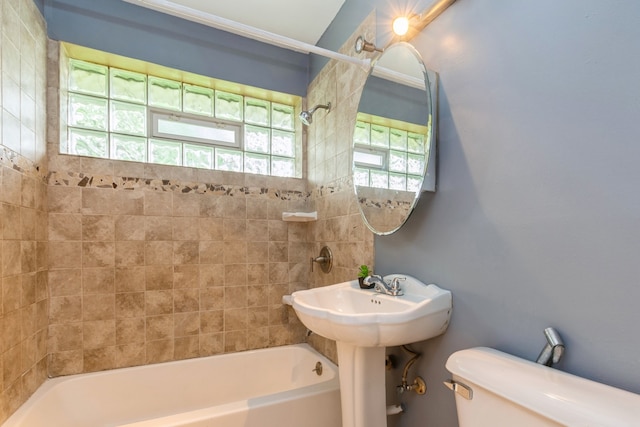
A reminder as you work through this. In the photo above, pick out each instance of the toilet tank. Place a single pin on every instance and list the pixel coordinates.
(507, 391)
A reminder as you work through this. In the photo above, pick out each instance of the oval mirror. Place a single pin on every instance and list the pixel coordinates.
(393, 146)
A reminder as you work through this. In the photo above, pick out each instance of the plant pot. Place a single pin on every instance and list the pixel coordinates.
(362, 285)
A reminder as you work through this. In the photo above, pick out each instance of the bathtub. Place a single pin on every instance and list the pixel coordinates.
(261, 388)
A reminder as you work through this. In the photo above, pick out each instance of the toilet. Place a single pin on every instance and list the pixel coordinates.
(496, 389)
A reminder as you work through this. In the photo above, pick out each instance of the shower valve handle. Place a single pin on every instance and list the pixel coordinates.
(325, 260)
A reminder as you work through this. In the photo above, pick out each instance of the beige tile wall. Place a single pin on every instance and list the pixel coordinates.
(23, 218)
(145, 270)
(329, 166)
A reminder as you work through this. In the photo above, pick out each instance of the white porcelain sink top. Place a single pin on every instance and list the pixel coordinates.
(365, 318)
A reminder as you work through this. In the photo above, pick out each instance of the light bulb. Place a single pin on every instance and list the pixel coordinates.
(401, 25)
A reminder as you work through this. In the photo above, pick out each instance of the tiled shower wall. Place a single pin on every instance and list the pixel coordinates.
(23, 218)
(148, 270)
(152, 263)
(329, 172)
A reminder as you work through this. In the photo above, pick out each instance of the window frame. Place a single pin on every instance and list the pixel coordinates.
(157, 114)
(367, 149)
(288, 151)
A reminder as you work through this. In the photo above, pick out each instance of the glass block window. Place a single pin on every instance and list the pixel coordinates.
(125, 115)
(387, 157)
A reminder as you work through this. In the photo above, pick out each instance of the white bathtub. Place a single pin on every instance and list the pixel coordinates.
(261, 388)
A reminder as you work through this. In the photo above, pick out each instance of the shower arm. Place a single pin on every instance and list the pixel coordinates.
(307, 116)
(326, 107)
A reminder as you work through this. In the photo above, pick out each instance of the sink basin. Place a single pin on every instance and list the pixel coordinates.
(346, 313)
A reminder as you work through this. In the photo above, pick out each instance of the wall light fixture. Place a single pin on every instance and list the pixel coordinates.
(406, 27)
(401, 25)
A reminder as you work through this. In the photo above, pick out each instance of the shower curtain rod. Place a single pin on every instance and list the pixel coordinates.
(234, 27)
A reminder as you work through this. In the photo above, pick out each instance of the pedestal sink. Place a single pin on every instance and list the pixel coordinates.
(364, 322)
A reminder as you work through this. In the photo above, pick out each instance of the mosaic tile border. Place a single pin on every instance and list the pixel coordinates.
(385, 204)
(76, 179)
(337, 186)
(13, 160)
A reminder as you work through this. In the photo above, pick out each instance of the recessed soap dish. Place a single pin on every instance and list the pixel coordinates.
(300, 216)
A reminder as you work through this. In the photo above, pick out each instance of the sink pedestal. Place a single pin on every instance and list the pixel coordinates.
(362, 385)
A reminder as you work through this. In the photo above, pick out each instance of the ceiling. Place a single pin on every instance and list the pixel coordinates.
(302, 20)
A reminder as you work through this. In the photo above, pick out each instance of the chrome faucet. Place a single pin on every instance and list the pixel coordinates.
(553, 350)
(380, 286)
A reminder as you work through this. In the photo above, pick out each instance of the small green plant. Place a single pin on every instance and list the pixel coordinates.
(364, 271)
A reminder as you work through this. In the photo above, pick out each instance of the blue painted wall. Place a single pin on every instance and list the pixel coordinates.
(133, 31)
(384, 98)
(536, 221)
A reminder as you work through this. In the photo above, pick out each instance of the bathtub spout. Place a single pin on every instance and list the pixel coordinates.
(553, 349)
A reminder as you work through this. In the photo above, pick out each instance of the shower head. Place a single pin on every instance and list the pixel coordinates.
(307, 116)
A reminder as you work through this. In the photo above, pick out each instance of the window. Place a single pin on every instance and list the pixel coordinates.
(389, 157)
(165, 124)
(120, 114)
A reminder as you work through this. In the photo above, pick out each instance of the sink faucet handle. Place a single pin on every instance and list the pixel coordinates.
(373, 278)
(395, 282)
